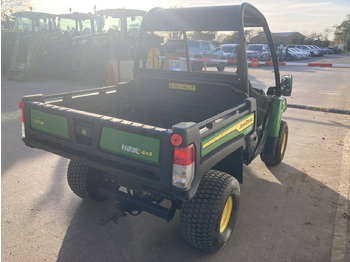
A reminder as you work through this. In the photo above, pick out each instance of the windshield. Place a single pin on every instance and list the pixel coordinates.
(86, 26)
(40, 24)
(116, 25)
(111, 24)
(72, 25)
(24, 23)
(133, 24)
(227, 49)
(254, 47)
(66, 24)
(174, 44)
(194, 44)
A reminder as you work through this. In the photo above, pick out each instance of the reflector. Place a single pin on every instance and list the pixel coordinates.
(176, 140)
(21, 106)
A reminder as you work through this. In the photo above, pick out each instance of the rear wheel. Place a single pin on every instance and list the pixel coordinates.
(280, 148)
(83, 181)
(208, 219)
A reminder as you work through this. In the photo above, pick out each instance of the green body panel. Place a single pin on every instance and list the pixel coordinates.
(279, 106)
(49, 123)
(132, 145)
(240, 127)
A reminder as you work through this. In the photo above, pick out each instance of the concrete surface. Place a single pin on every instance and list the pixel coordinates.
(292, 212)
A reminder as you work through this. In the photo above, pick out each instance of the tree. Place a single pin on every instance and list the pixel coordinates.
(314, 38)
(326, 34)
(203, 35)
(342, 33)
(174, 35)
(226, 38)
(249, 34)
(14, 5)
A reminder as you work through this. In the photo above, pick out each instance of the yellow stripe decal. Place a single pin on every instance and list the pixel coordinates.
(239, 127)
(182, 86)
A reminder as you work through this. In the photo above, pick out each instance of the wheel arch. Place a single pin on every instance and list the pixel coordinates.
(232, 165)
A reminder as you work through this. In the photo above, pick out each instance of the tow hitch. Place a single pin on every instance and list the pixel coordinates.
(134, 205)
(114, 216)
(123, 209)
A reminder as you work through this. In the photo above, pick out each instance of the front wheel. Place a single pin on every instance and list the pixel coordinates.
(197, 66)
(221, 67)
(83, 181)
(280, 148)
(208, 219)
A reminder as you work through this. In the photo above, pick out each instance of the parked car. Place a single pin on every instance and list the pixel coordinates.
(328, 50)
(206, 50)
(230, 51)
(318, 48)
(313, 51)
(174, 47)
(297, 54)
(200, 49)
(336, 50)
(258, 51)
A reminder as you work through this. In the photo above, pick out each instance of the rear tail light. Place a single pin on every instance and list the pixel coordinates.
(183, 166)
(21, 106)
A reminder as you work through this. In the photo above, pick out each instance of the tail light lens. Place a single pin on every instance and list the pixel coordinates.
(21, 106)
(183, 166)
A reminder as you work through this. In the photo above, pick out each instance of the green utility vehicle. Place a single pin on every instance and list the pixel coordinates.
(170, 138)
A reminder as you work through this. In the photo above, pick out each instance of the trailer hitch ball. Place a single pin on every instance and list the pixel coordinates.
(113, 217)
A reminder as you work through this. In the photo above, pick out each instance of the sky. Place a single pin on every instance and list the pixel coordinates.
(304, 16)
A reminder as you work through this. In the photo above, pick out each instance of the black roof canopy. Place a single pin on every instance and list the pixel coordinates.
(76, 15)
(121, 12)
(33, 15)
(209, 18)
(213, 18)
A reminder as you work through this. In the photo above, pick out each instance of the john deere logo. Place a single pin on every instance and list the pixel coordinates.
(83, 132)
(38, 121)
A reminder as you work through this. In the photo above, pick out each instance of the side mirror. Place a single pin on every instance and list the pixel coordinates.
(286, 85)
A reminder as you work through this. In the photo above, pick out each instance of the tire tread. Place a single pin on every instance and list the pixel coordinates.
(198, 218)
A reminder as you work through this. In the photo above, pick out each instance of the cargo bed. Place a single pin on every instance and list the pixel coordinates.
(126, 130)
(157, 101)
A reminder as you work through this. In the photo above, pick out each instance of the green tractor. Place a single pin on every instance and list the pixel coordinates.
(90, 42)
(114, 43)
(8, 38)
(23, 47)
(76, 33)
